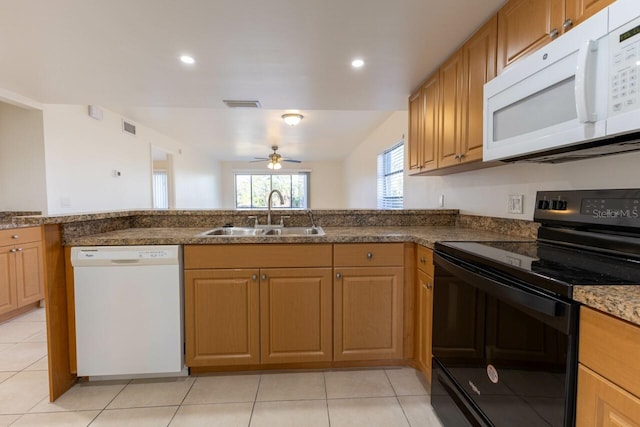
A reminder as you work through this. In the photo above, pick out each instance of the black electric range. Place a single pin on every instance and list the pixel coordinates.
(504, 319)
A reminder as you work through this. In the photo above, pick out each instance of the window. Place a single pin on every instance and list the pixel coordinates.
(252, 190)
(160, 190)
(391, 177)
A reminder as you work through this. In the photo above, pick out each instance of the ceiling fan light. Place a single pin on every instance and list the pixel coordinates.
(292, 119)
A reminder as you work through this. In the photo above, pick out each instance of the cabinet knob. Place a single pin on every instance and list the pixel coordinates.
(338, 276)
(568, 23)
(554, 33)
(461, 156)
(422, 260)
(369, 255)
(263, 277)
(19, 249)
(254, 277)
(15, 236)
(429, 285)
(457, 157)
(13, 250)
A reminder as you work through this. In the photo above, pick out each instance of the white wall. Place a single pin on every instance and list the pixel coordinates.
(360, 167)
(326, 182)
(82, 154)
(481, 192)
(22, 163)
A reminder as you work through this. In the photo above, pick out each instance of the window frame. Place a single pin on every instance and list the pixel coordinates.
(252, 173)
(384, 160)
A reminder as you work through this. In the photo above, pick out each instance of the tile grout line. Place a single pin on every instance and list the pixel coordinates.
(182, 401)
(255, 398)
(108, 403)
(326, 397)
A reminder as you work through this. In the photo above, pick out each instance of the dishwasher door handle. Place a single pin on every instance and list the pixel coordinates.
(125, 261)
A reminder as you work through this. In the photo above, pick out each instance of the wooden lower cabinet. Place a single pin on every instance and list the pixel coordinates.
(295, 315)
(609, 371)
(603, 404)
(368, 316)
(424, 320)
(21, 270)
(222, 321)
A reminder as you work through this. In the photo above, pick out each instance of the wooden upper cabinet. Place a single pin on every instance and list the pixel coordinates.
(415, 130)
(526, 25)
(451, 111)
(577, 11)
(479, 66)
(424, 111)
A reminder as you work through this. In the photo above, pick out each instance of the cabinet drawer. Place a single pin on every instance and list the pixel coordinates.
(368, 254)
(602, 403)
(15, 236)
(424, 259)
(257, 255)
(610, 347)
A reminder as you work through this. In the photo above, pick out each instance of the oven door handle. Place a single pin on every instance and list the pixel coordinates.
(504, 291)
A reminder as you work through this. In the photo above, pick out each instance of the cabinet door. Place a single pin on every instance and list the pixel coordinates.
(526, 25)
(450, 111)
(577, 11)
(430, 120)
(425, 318)
(601, 403)
(368, 317)
(29, 273)
(416, 110)
(8, 299)
(222, 317)
(295, 315)
(479, 65)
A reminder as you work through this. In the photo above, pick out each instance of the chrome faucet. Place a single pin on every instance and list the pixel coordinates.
(313, 222)
(269, 204)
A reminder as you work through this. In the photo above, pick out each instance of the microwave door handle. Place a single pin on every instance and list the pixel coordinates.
(584, 82)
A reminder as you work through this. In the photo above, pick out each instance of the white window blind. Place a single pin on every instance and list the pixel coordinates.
(391, 177)
(160, 190)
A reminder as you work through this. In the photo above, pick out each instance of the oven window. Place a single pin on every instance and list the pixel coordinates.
(507, 359)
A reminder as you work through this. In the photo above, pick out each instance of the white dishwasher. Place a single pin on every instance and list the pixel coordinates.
(128, 307)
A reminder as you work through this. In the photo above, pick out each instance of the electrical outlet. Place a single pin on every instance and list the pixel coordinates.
(516, 205)
(65, 202)
(441, 201)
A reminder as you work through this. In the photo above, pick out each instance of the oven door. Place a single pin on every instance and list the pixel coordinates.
(504, 354)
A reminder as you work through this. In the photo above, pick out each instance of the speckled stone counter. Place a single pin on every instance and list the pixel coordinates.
(426, 236)
(6, 219)
(9, 226)
(619, 301)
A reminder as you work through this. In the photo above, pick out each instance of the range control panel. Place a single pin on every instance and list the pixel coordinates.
(620, 207)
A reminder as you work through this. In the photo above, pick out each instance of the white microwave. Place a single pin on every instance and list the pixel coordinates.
(577, 97)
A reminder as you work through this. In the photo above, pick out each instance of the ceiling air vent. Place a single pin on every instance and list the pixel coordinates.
(241, 104)
(128, 128)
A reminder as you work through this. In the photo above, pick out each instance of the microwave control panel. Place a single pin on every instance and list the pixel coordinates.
(624, 48)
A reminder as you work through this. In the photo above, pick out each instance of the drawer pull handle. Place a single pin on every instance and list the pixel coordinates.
(422, 260)
(15, 236)
(338, 276)
(369, 255)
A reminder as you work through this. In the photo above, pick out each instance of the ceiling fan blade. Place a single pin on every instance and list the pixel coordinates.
(259, 160)
(292, 161)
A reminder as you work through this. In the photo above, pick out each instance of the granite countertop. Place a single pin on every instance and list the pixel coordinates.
(10, 225)
(619, 301)
(423, 235)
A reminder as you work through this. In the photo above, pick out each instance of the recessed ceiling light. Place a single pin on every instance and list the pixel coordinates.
(187, 59)
(357, 63)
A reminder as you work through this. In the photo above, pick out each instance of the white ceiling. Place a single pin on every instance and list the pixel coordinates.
(289, 55)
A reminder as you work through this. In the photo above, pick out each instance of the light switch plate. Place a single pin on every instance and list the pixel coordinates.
(516, 205)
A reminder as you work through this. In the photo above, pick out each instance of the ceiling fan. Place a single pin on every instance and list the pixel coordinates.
(275, 159)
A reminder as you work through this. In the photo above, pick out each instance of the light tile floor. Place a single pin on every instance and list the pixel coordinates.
(373, 397)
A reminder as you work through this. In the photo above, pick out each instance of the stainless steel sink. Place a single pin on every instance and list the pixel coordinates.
(268, 231)
(294, 231)
(232, 232)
